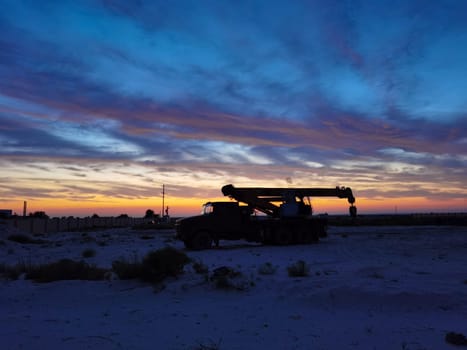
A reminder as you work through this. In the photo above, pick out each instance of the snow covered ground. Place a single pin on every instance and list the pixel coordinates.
(367, 288)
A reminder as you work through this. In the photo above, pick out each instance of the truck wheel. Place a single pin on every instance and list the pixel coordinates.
(201, 240)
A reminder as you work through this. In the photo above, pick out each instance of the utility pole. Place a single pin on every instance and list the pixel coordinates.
(163, 198)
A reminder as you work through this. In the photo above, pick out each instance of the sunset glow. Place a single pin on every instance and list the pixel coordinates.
(102, 103)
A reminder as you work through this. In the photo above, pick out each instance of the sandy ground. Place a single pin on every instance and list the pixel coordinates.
(368, 288)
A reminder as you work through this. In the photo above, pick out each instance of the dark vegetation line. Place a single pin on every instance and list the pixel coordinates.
(154, 267)
(437, 219)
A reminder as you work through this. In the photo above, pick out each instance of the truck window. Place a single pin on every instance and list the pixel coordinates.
(207, 209)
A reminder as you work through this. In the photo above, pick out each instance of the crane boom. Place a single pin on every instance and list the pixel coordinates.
(263, 198)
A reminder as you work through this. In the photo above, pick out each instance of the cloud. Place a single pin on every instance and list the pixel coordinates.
(251, 92)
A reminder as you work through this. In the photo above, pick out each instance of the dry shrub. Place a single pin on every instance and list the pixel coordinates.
(227, 278)
(65, 269)
(155, 266)
(162, 263)
(127, 269)
(298, 269)
(456, 338)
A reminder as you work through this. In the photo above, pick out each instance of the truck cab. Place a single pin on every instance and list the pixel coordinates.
(218, 220)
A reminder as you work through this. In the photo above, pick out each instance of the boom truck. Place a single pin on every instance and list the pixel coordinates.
(287, 217)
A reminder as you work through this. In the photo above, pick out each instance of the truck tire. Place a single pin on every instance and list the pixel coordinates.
(201, 240)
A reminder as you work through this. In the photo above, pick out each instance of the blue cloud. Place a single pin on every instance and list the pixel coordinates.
(308, 86)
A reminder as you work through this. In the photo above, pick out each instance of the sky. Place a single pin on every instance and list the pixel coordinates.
(103, 102)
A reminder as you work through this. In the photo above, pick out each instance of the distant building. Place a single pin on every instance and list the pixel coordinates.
(6, 213)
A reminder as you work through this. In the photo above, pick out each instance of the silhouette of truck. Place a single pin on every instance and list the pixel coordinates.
(286, 217)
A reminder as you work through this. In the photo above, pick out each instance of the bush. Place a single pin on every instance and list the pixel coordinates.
(162, 263)
(298, 269)
(456, 338)
(225, 277)
(149, 214)
(224, 281)
(65, 269)
(155, 266)
(126, 269)
(88, 253)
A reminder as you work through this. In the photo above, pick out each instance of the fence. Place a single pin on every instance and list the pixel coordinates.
(41, 225)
